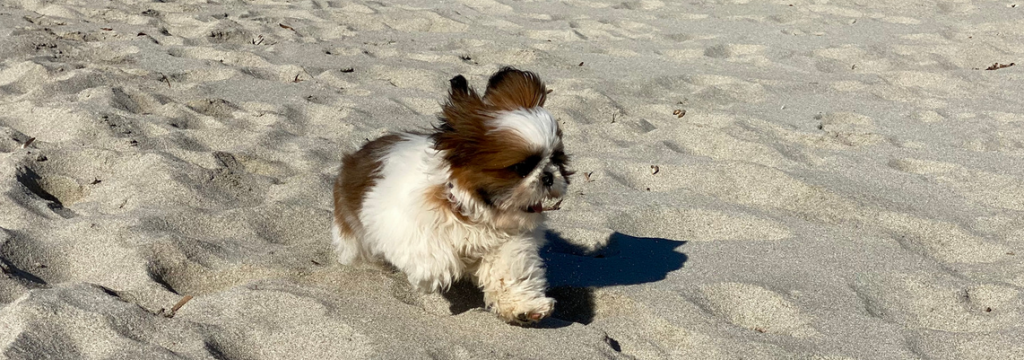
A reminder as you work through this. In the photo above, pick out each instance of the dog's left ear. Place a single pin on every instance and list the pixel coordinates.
(512, 89)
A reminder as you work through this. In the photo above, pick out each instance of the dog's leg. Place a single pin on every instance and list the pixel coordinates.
(513, 282)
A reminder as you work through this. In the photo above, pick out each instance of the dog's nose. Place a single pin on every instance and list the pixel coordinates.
(547, 178)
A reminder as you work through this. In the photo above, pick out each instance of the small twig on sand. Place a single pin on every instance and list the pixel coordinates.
(177, 306)
(998, 66)
(28, 143)
(181, 303)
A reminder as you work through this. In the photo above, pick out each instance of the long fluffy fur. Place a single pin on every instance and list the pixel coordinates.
(458, 202)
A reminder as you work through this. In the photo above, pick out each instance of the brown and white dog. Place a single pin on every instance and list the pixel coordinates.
(464, 200)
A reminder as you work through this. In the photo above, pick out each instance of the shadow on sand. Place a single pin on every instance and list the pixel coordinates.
(574, 273)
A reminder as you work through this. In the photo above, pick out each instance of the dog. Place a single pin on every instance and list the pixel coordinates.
(463, 200)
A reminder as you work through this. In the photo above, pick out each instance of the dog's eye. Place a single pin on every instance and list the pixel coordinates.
(525, 167)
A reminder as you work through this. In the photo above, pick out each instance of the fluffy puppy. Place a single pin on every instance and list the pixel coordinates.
(464, 200)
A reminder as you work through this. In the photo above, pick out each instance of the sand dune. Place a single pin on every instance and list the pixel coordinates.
(797, 179)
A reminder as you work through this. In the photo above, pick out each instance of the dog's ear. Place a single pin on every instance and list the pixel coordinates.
(459, 84)
(463, 121)
(511, 89)
(464, 108)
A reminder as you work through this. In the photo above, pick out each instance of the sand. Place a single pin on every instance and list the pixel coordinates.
(794, 179)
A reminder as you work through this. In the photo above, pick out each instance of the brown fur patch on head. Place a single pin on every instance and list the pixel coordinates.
(486, 168)
(510, 89)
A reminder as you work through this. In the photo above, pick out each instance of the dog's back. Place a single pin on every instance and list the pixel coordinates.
(359, 173)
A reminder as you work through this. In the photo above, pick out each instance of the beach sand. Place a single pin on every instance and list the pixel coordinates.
(781, 179)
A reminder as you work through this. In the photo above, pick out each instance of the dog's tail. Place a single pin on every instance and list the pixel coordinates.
(349, 250)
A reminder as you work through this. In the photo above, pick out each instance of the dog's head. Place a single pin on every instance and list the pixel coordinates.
(504, 149)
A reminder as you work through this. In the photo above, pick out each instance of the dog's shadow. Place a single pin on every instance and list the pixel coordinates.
(574, 272)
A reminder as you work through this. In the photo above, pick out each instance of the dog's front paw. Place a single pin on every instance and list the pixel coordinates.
(524, 312)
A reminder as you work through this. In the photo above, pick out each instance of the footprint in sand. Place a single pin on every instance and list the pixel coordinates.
(23, 265)
(80, 313)
(262, 310)
(982, 187)
(723, 137)
(582, 105)
(756, 308)
(1005, 135)
(953, 345)
(59, 189)
(935, 302)
(943, 241)
(746, 184)
(217, 108)
(22, 78)
(724, 90)
(103, 252)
